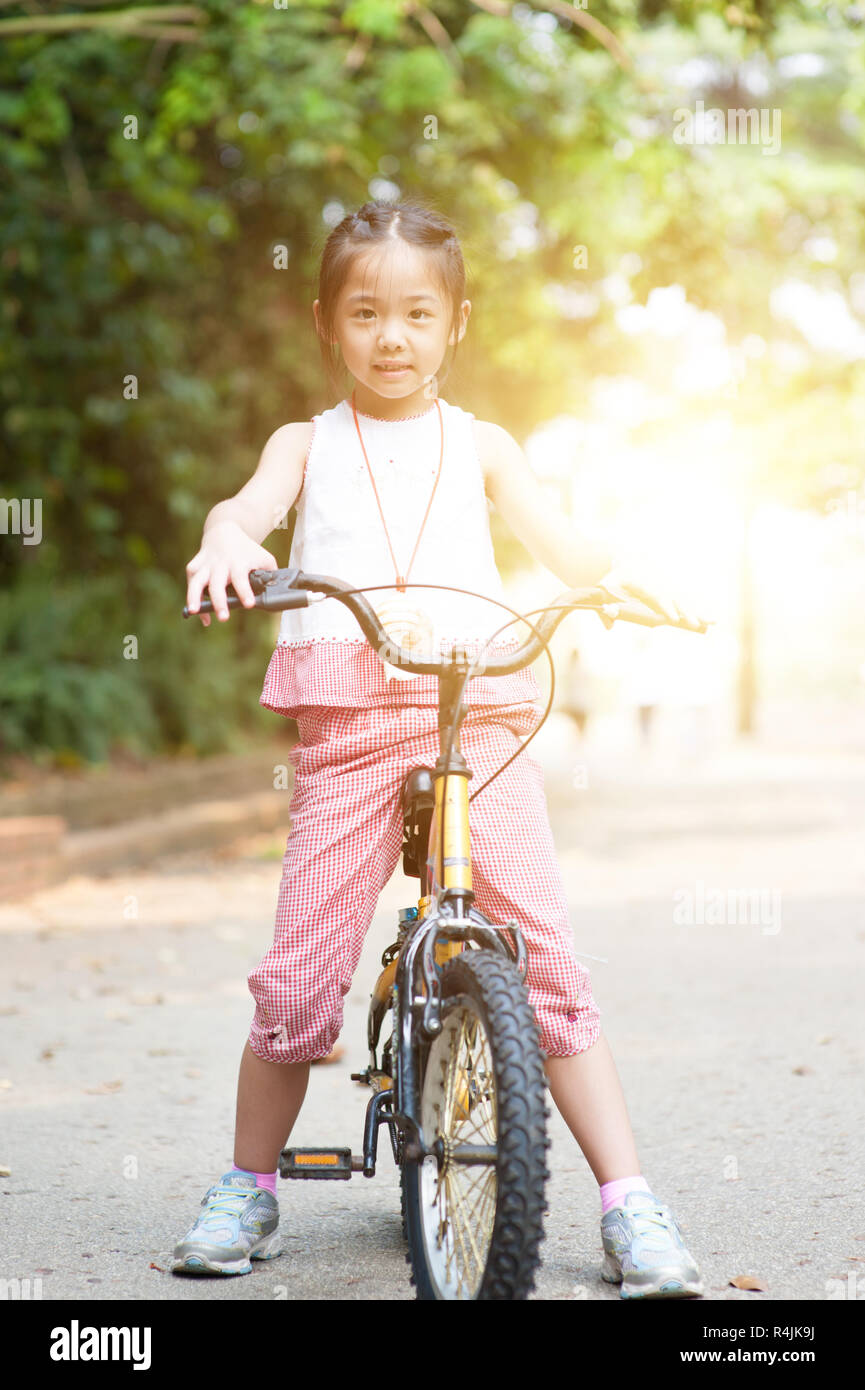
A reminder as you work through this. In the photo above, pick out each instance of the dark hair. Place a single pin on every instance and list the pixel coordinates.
(372, 224)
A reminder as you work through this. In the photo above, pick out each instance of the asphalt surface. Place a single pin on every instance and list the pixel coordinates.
(739, 1044)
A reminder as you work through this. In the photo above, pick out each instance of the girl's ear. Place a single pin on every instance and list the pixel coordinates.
(465, 310)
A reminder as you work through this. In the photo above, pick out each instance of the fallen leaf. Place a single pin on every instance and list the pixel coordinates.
(193, 1072)
(748, 1281)
(9, 1010)
(803, 1071)
(103, 1089)
(5, 1172)
(155, 1266)
(46, 1054)
(141, 998)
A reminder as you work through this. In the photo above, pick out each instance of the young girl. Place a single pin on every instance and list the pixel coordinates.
(391, 485)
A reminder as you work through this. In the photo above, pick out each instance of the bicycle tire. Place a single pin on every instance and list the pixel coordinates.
(480, 985)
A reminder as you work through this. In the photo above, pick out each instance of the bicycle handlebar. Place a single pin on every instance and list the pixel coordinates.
(280, 589)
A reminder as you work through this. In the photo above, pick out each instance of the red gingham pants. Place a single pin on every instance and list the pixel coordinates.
(345, 842)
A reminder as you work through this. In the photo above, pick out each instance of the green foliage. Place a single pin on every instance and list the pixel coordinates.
(380, 17)
(91, 667)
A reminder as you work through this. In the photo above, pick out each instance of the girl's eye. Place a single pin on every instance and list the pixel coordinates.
(425, 312)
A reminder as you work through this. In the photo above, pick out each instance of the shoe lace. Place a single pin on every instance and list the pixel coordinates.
(645, 1218)
(226, 1201)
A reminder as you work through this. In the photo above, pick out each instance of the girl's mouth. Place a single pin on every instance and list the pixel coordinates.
(387, 370)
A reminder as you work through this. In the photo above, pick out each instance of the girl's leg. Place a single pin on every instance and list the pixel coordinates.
(269, 1097)
(589, 1097)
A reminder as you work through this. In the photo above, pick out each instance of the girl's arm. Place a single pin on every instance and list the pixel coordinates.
(517, 496)
(233, 529)
(264, 502)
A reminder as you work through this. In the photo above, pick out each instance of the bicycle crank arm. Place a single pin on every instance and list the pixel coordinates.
(376, 1114)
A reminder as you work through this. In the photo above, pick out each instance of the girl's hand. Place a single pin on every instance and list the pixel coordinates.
(621, 586)
(227, 554)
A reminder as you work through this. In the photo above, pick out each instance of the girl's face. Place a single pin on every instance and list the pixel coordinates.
(393, 326)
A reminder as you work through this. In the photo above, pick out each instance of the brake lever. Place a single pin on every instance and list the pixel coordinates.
(259, 579)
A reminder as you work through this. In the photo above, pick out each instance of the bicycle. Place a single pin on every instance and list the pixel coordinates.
(461, 1085)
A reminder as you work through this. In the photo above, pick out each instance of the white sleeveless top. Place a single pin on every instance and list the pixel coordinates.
(321, 655)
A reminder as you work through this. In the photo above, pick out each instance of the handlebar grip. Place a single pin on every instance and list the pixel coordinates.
(206, 605)
(298, 599)
(645, 617)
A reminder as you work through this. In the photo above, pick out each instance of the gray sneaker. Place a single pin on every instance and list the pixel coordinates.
(239, 1221)
(644, 1251)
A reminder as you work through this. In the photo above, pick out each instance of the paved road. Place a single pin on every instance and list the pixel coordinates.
(739, 1043)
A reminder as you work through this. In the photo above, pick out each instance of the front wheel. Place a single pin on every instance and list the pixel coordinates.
(474, 1230)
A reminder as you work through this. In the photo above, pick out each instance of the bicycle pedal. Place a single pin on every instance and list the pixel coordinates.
(333, 1164)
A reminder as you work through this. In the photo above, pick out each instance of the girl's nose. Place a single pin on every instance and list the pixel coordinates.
(389, 337)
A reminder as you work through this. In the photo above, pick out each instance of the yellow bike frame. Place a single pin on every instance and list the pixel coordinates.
(449, 865)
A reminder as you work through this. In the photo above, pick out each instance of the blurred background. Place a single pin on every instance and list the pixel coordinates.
(668, 312)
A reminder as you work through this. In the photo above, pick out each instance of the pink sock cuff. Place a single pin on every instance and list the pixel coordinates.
(265, 1180)
(613, 1192)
